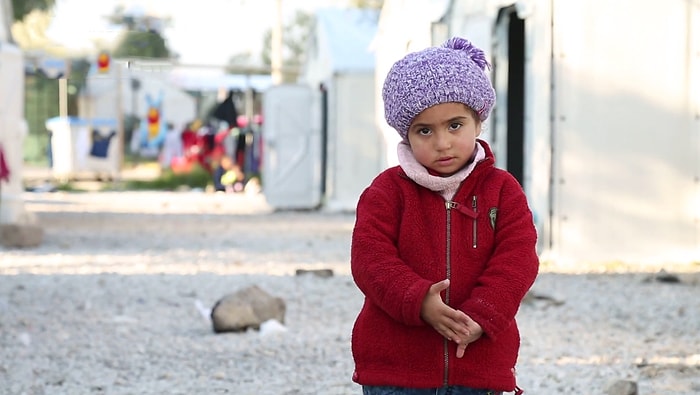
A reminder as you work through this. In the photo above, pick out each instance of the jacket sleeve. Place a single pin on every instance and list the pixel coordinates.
(512, 268)
(381, 275)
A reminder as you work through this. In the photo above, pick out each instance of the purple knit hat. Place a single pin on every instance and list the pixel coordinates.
(453, 72)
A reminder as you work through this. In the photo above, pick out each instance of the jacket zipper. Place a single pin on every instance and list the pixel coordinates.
(449, 205)
(474, 223)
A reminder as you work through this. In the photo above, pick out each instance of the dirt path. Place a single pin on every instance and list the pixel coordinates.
(108, 304)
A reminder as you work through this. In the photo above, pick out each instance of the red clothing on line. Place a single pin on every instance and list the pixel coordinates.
(4, 169)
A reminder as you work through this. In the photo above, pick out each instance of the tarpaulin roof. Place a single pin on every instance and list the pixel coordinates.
(349, 32)
(212, 80)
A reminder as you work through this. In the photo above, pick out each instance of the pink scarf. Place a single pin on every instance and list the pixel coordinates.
(446, 186)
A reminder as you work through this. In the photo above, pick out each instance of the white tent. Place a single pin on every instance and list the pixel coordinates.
(105, 98)
(13, 130)
(597, 115)
(215, 79)
(336, 96)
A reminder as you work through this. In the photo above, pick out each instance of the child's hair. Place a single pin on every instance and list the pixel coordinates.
(453, 72)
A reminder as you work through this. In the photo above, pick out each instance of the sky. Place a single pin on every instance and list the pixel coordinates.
(203, 32)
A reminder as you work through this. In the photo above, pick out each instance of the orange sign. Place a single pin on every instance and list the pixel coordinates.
(103, 62)
(153, 118)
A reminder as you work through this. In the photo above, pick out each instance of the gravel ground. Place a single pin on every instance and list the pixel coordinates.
(108, 304)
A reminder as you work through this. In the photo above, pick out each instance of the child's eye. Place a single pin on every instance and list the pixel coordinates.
(455, 125)
(424, 131)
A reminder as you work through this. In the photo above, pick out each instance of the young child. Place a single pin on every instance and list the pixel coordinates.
(443, 247)
(228, 176)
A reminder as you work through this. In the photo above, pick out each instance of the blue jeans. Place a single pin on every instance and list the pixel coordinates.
(451, 390)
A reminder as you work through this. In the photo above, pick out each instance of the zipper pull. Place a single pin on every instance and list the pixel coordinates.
(461, 208)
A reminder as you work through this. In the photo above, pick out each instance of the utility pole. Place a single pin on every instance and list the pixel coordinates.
(121, 140)
(63, 90)
(276, 45)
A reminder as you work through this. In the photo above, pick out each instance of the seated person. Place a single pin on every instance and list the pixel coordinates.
(228, 176)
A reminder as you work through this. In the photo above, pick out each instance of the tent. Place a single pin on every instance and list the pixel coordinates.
(130, 87)
(330, 118)
(13, 130)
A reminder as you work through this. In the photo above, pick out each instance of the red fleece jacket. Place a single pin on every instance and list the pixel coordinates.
(405, 239)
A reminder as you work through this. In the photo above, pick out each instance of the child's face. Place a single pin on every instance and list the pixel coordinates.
(226, 162)
(443, 137)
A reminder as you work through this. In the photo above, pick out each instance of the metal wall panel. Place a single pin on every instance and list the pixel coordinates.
(291, 148)
(625, 154)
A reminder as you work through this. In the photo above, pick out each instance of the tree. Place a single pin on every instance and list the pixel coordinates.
(143, 36)
(137, 21)
(21, 8)
(375, 4)
(296, 34)
(141, 44)
(242, 62)
(294, 40)
(30, 33)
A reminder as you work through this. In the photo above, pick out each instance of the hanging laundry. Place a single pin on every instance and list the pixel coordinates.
(4, 169)
(100, 143)
(226, 110)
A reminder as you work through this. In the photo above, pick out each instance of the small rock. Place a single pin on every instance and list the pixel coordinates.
(665, 277)
(323, 273)
(247, 308)
(271, 327)
(623, 387)
(25, 338)
(21, 236)
(531, 297)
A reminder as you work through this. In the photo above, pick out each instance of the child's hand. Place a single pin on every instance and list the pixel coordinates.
(475, 332)
(448, 322)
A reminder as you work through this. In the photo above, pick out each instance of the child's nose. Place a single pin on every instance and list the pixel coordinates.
(442, 141)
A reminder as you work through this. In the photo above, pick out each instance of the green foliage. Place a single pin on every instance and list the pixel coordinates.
(375, 4)
(67, 186)
(238, 62)
(146, 44)
(137, 22)
(143, 37)
(20, 8)
(198, 177)
(40, 104)
(294, 38)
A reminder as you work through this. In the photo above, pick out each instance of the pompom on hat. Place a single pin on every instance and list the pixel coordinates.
(453, 72)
